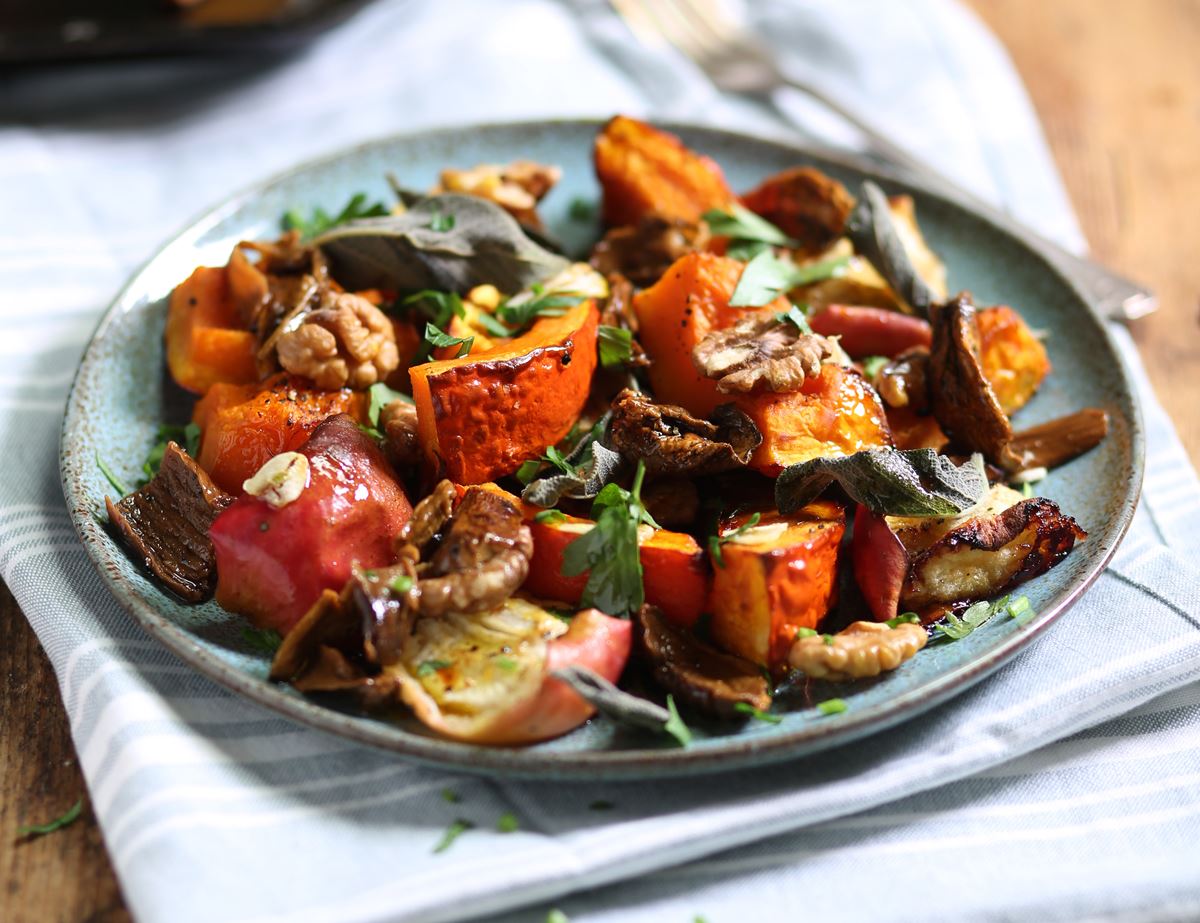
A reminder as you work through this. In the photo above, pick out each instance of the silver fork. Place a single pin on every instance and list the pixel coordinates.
(737, 62)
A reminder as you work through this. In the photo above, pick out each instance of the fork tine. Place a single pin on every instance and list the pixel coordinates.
(710, 21)
(638, 20)
(660, 23)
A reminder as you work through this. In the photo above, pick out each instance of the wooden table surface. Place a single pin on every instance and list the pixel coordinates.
(1117, 86)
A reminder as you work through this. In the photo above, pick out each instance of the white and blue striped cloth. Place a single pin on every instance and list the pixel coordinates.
(1065, 787)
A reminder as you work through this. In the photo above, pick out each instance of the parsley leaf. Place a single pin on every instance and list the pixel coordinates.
(1020, 611)
(832, 706)
(65, 819)
(451, 796)
(716, 541)
(429, 667)
(557, 916)
(508, 823)
(757, 714)
(165, 433)
(117, 484)
(872, 365)
(436, 338)
(904, 618)
(796, 318)
(521, 310)
(768, 276)
(453, 832)
(379, 396)
(615, 345)
(438, 307)
(955, 627)
(609, 550)
(675, 726)
(401, 584)
(550, 516)
(740, 224)
(321, 221)
(262, 640)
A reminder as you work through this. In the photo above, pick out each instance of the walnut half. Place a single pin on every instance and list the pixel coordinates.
(761, 349)
(858, 651)
(349, 344)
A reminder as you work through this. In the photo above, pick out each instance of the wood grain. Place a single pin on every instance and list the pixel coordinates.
(1117, 86)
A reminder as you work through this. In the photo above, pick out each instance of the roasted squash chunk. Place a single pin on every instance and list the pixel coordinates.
(481, 416)
(644, 171)
(805, 204)
(674, 571)
(837, 413)
(779, 576)
(205, 340)
(1013, 359)
(244, 425)
(688, 303)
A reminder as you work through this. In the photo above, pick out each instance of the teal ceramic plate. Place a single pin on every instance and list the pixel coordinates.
(118, 400)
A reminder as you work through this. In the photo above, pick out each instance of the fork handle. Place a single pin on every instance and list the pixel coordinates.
(1114, 296)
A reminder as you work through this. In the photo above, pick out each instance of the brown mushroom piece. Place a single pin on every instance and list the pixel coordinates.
(673, 502)
(904, 381)
(762, 350)
(1058, 441)
(670, 440)
(165, 525)
(962, 399)
(469, 558)
(643, 252)
(700, 675)
(398, 420)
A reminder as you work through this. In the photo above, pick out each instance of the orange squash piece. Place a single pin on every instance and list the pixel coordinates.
(242, 426)
(1013, 359)
(911, 430)
(205, 341)
(837, 413)
(481, 416)
(674, 572)
(779, 576)
(644, 171)
(689, 302)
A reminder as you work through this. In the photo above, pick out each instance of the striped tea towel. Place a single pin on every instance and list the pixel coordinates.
(1064, 787)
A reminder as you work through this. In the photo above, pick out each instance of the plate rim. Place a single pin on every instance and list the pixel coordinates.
(580, 764)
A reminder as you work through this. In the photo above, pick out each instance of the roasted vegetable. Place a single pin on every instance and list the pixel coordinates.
(669, 439)
(274, 560)
(206, 340)
(676, 314)
(644, 171)
(481, 416)
(805, 204)
(1013, 359)
(775, 577)
(244, 425)
(871, 331)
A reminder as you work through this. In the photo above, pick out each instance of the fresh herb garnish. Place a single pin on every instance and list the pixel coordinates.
(768, 276)
(441, 222)
(520, 311)
(592, 466)
(615, 345)
(453, 832)
(904, 618)
(675, 726)
(832, 706)
(888, 482)
(451, 796)
(262, 640)
(609, 550)
(757, 714)
(805, 633)
(873, 364)
(436, 338)
(507, 664)
(745, 229)
(716, 541)
(117, 484)
(557, 916)
(321, 221)
(550, 517)
(872, 230)
(1020, 611)
(65, 819)
(601, 805)
(379, 396)
(957, 627)
(828, 639)
(438, 307)
(1027, 490)
(616, 703)
(508, 823)
(796, 318)
(429, 667)
(401, 583)
(581, 209)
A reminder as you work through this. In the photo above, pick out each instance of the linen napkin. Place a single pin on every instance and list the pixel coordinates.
(214, 809)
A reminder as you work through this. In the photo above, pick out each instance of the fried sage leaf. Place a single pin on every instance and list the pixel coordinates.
(888, 482)
(873, 233)
(612, 701)
(445, 242)
(585, 470)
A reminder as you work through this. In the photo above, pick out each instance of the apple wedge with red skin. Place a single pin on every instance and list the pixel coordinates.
(273, 563)
(880, 563)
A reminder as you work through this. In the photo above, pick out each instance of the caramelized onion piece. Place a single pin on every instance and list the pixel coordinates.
(1058, 441)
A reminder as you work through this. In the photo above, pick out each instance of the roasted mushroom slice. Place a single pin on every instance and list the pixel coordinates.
(904, 381)
(643, 252)
(963, 400)
(706, 678)
(1058, 441)
(762, 350)
(165, 525)
(670, 440)
(482, 555)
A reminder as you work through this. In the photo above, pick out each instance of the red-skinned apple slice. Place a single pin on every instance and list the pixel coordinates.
(880, 563)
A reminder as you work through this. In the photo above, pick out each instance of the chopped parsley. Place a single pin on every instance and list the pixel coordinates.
(609, 550)
(550, 516)
(401, 584)
(379, 396)
(768, 276)
(904, 618)
(117, 484)
(453, 832)
(321, 221)
(450, 796)
(828, 639)
(716, 541)
(757, 714)
(262, 640)
(615, 345)
(557, 916)
(429, 667)
(436, 338)
(675, 726)
(65, 819)
(873, 364)
(520, 311)
(581, 209)
(438, 307)
(748, 233)
(507, 664)
(832, 706)
(508, 823)
(955, 627)
(796, 317)
(805, 633)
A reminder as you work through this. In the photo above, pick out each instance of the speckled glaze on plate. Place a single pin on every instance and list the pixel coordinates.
(118, 399)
